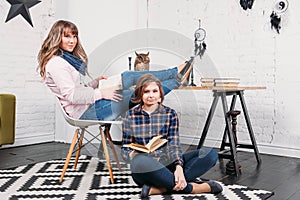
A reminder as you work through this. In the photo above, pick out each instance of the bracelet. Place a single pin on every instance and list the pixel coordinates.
(179, 162)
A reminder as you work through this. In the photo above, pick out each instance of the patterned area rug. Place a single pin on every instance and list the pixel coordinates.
(91, 181)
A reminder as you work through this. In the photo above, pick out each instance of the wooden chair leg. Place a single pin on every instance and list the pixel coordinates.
(71, 149)
(103, 140)
(111, 144)
(79, 148)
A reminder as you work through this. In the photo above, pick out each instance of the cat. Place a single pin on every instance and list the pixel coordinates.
(141, 62)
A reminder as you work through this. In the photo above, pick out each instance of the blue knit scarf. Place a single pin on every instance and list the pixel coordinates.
(77, 63)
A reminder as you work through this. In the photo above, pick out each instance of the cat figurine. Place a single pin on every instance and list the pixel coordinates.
(141, 62)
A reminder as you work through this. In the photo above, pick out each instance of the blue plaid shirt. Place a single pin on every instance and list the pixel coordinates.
(139, 127)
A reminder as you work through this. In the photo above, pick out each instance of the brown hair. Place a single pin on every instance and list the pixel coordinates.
(50, 46)
(143, 82)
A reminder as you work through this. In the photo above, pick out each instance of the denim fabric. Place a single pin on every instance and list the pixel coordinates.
(110, 110)
(129, 78)
(146, 170)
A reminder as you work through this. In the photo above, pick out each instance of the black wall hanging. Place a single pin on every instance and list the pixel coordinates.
(246, 4)
(280, 7)
(21, 7)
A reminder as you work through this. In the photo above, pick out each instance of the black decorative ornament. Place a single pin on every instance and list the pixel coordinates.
(275, 22)
(246, 4)
(281, 6)
(21, 7)
(275, 18)
(199, 48)
(200, 45)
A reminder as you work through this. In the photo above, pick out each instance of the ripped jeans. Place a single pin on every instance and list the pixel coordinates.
(146, 170)
(109, 110)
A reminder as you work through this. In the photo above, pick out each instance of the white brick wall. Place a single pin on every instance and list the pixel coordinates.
(240, 44)
(19, 44)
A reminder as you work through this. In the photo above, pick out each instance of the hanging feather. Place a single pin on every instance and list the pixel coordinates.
(202, 49)
(246, 4)
(275, 21)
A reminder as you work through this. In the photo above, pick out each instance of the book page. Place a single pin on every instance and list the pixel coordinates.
(156, 142)
(152, 141)
(112, 82)
(227, 80)
(152, 145)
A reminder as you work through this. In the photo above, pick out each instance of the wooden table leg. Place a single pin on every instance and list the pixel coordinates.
(230, 134)
(249, 126)
(232, 106)
(208, 121)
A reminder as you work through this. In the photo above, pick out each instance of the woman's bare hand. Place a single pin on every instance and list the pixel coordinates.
(133, 153)
(111, 94)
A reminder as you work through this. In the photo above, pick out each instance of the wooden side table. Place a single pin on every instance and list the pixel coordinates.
(223, 92)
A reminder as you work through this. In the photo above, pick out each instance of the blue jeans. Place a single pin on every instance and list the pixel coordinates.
(146, 170)
(110, 110)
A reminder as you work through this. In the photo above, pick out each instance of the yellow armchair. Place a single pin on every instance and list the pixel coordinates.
(7, 118)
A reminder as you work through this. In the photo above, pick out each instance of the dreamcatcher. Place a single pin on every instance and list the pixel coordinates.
(199, 48)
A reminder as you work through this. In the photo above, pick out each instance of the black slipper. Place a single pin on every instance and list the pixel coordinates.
(145, 191)
(215, 188)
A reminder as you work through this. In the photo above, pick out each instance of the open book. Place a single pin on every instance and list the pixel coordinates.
(112, 82)
(152, 145)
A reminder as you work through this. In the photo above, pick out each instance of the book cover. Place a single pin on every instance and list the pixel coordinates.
(112, 82)
(226, 84)
(208, 84)
(227, 80)
(152, 145)
(207, 80)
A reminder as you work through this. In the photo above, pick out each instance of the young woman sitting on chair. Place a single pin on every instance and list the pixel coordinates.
(63, 62)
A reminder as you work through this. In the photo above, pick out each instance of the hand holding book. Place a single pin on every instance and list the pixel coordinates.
(152, 145)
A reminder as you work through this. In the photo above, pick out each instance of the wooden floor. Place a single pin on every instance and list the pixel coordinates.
(278, 174)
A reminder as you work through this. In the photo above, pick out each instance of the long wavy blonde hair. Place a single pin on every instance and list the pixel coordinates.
(50, 46)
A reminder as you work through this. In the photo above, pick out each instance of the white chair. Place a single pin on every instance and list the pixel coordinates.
(81, 128)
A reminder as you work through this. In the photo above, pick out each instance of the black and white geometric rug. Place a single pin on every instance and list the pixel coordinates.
(91, 181)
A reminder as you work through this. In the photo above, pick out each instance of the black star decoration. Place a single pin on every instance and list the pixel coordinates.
(21, 7)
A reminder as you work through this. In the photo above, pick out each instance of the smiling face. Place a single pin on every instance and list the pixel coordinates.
(68, 41)
(151, 95)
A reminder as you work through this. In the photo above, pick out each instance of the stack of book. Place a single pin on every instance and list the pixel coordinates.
(220, 82)
(207, 82)
(227, 82)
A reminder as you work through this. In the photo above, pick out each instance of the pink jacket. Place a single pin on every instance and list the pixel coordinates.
(64, 81)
